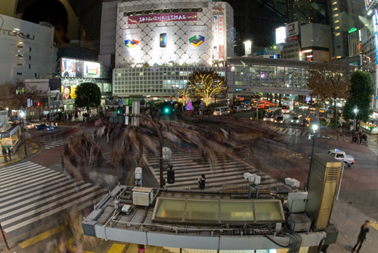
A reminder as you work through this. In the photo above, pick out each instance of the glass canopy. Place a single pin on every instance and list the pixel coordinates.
(218, 211)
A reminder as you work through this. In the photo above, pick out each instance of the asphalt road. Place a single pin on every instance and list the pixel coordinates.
(281, 157)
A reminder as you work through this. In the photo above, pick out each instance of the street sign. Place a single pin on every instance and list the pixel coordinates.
(121, 102)
(172, 101)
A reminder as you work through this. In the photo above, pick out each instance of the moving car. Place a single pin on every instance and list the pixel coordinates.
(295, 120)
(44, 127)
(28, 125)
(236, 109)
(341, 156)
(312, 108)
(222, 111)
(280, 120)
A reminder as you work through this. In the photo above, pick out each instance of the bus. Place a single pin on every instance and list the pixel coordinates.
(322, 113)
(272, 113)
(287, 106)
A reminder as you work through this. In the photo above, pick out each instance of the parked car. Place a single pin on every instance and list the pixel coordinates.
(44, 127)
(341, 156)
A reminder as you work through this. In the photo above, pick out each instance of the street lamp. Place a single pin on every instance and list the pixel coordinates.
(355, 109)
(314, 127)
(22, 114)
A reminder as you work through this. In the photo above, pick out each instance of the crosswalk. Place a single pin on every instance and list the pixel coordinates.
(189, 166)
(294, 131)
(49, 144)
(31, 193)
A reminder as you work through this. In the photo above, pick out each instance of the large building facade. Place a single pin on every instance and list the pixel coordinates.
(159, 43)
(26, 50)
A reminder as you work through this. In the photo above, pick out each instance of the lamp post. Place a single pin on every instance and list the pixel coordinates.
(22, 114)
(314, 128)
(355, 109)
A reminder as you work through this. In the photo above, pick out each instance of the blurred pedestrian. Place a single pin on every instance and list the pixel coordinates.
(4, 151)
(10, 154)
(202, 181)
(361, 236)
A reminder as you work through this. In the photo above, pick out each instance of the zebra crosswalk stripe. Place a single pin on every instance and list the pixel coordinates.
(31, 193)
(218, 175)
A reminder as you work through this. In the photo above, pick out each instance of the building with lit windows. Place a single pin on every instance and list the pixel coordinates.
(157, 44)
(26, 49)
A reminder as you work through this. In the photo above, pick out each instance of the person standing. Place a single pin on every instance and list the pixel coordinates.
(361, 236)
(4, 151)
(10, 154)
(202, 181)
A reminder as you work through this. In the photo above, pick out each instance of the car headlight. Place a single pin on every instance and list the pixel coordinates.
(292, 120)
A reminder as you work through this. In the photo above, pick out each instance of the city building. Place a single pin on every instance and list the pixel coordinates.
(344, 15)
(156, 45)
(26, 49)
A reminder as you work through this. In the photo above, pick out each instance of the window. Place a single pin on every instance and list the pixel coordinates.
(335, 9)
(19, 64)
(337, 27)
(337, 34)
(334, 3)
(19, 73)
(29, 57)
(29, 49)
(336, 15)
(337, 21)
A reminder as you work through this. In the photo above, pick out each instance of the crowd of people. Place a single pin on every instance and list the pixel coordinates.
(359, 137)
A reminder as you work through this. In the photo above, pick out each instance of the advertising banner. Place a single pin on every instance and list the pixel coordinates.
(71, 68)
(164, 17)
(197, 39)
(91, 69)
(280, 35)
(292, 31)
(216, 37)
(69, 92)
(220, 34)
(163, 39)
(248, 47)
(131, 41)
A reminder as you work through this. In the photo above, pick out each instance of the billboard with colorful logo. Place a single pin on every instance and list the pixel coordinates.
(197, 41)
(91, 69)
(131, 41)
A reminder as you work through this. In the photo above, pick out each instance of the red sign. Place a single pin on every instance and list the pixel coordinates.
(166, 17)
(295, 37)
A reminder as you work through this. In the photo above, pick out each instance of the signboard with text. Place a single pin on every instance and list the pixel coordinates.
(164, 17)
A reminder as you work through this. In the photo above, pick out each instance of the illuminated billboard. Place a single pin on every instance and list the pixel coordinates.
(163, 39)
(163, 17)
(91, 69)
(197, 39)
(280, 35)
(71, 68)
(292, 31)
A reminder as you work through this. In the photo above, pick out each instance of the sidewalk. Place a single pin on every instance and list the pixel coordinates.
(31, 149)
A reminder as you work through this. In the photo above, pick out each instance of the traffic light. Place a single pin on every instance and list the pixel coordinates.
(119, 112)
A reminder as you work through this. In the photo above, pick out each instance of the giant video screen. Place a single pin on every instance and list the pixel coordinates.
(71, 68)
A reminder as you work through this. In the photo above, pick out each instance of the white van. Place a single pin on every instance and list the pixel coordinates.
(222, 111)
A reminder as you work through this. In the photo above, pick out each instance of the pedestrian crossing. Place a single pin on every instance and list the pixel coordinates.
(189, 166)
(30, 194)
(49, 144)
(295, 131)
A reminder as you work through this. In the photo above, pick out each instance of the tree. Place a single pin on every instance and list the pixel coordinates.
(329, 81)
(85, 91)
(185, 94)
(15, 96)
(361, 89)
(207, 84)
